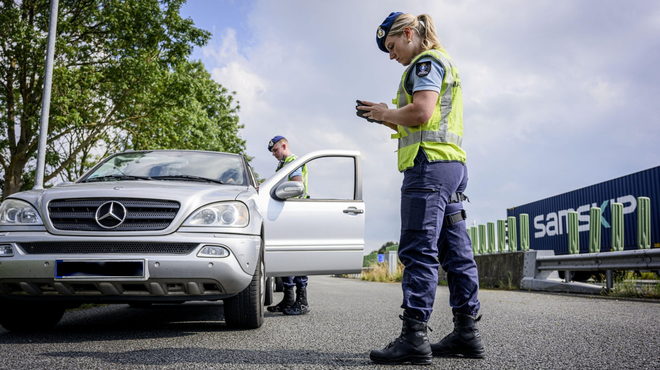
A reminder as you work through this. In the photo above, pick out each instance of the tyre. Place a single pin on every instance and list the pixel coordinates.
(246, 309)
(29, 316)
(270, 288)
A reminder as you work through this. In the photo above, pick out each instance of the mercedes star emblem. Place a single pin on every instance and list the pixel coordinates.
(110, 215)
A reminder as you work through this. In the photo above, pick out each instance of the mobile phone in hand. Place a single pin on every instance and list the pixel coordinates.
(361, 112)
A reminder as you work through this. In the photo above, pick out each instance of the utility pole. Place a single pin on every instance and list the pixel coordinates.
(45, 101)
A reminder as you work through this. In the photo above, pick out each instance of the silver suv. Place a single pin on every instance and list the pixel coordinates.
(171, 226)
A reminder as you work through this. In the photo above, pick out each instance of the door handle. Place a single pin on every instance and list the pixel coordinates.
(353, 210)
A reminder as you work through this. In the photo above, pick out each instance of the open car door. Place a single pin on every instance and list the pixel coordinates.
(322, 233)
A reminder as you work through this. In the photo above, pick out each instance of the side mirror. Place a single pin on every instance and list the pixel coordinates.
(289, 189)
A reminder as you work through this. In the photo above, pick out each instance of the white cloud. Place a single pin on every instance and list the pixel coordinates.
(550, 88)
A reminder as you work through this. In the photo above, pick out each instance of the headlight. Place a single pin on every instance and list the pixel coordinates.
(17, 212)
(224, 214)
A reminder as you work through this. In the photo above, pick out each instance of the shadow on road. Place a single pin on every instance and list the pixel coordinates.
(121, 322)
(173, 356)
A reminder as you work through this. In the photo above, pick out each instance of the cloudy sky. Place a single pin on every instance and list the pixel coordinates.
(558, 95)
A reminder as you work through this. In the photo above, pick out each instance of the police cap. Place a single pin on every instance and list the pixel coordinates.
(274, 141)
(384, 29)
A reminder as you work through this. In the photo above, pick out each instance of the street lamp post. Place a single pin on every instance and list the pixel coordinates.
(45, 101)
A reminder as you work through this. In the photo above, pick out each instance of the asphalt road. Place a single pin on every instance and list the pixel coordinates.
(521, 330)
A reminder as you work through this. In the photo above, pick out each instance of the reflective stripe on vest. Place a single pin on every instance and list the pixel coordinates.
(290, 159)
(441, 136)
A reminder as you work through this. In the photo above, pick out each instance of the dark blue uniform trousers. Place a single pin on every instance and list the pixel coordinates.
(426, 243)
(297, 281)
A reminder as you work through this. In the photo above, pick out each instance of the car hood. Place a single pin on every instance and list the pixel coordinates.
(189, 195)
(155, 189)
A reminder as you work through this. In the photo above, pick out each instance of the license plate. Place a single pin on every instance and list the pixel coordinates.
(85, 269)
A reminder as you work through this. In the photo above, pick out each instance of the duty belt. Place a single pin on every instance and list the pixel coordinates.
(457, 197)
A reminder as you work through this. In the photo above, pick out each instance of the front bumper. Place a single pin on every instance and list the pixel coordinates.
(165, 276)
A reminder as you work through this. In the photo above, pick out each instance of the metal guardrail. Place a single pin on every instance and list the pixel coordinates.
(541, 267)
(640, 259)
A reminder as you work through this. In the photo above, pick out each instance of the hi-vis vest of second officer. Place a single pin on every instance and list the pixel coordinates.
(288, 160)
(441, 136)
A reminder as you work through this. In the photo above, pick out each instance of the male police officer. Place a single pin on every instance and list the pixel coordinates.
(279, 147)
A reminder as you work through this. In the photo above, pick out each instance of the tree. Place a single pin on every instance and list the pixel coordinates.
(383, 248)
(121, 80)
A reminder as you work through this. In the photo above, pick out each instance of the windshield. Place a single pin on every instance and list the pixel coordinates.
(172, 165)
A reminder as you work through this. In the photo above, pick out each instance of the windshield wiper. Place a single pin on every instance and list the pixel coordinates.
(116, 177)
(186, 178)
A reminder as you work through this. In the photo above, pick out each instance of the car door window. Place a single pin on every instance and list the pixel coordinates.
(331, 178)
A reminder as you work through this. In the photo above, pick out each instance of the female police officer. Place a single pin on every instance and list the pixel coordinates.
(429, 124)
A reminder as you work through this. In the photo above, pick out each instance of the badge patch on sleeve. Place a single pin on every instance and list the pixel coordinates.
(423, 68)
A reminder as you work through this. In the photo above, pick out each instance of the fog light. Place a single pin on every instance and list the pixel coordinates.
(6, 250)
(213, 251)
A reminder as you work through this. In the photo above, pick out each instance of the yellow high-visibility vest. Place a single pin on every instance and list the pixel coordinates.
(289, 159)
(442, 135)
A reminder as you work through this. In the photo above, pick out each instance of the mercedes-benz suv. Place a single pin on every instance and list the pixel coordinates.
(146, 227)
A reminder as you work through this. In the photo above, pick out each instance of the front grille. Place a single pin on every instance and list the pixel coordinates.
(107, 247)
(141, 214)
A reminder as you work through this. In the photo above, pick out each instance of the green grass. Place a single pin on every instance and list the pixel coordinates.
(508, 285)
(628, 284)
(380, 273)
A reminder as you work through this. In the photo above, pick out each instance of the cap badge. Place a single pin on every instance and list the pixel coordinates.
(380, 33)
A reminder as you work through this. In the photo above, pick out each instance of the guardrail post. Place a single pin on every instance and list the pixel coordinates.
(491, 237)
(513, 240)
(609, 280)
(501, 235)
(573, 233)
(482, 239)
(643, 223)
(524, 232)
(392, 262)
(594, 230)
(617, 226)
(475, 240)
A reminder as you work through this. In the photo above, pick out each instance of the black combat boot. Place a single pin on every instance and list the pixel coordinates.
(464, 341)
(300, 306)
(287, 301)
(411, 346)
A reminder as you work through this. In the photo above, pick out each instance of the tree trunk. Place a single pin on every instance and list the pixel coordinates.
(13, 178)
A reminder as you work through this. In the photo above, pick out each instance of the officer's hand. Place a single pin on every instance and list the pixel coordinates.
(377, 111)
(363, 111)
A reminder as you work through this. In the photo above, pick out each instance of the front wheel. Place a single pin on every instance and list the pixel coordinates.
(29, 316)
(246, 309)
